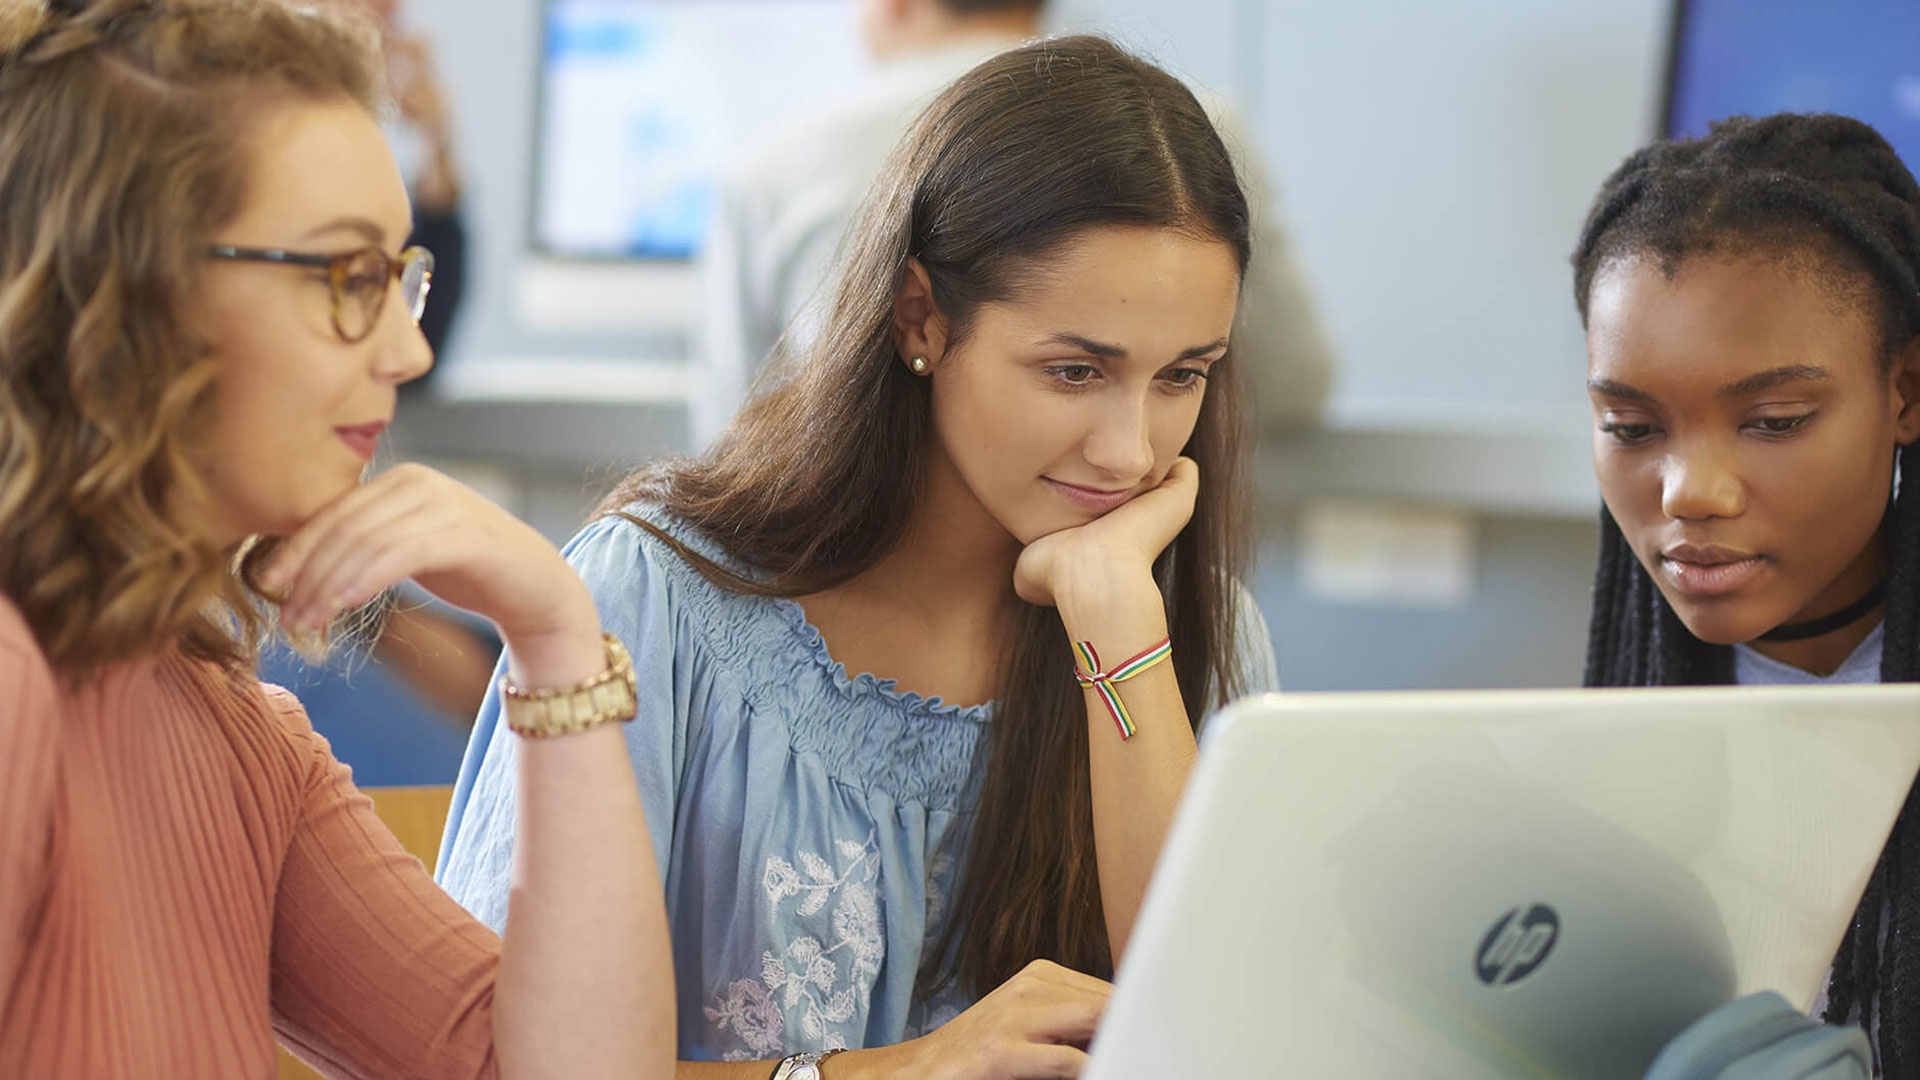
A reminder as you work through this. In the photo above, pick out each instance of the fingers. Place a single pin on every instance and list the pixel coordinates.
(1181, 484)
(1031, 1026)
(315, 566)
(1067, 976)
(412, 522)
(319, 578)
(294, 549)
(1182, 481)
(1185, 470)
(364, 565)
(1171, 503)
(1054, 1004)
(1068, 1022)
(1037, 1060)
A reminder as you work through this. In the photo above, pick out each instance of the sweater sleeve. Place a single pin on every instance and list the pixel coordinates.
(376, 972)
(1761, 1037)
(29, 725)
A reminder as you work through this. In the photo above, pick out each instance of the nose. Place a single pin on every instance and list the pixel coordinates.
(1120, 444)
(400, 350)
(1697, 483)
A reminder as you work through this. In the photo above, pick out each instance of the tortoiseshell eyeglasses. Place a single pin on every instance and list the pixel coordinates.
(359, 280)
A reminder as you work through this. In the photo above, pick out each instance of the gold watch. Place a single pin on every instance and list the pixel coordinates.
(608, 696)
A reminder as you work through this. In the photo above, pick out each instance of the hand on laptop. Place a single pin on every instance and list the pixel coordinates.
(1036, 1025)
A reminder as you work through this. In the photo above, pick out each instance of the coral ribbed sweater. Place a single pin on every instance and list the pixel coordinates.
(186, 872)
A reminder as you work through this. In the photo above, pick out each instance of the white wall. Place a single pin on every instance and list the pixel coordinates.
(1198, 40)
(1437, 161)
(1434, 160)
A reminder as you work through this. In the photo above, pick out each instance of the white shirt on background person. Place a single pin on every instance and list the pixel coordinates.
(783, 205)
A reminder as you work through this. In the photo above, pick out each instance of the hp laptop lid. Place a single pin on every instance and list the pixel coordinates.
(1501, 884)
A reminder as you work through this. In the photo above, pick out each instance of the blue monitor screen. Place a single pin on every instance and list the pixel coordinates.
(643, 101)
(1859, 58)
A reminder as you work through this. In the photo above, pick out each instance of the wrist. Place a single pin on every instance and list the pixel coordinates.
(879, 1063)
(1112, 606)
(560, 651)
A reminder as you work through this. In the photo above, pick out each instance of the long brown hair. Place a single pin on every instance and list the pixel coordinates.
(123, 146)
(817, 477)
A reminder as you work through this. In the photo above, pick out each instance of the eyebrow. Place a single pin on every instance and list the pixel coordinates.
(1115, 352)
(369, 229)
(1617, 389)
(1767, 380)
(1752, 384)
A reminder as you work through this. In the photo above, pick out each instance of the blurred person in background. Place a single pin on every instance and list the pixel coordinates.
(423, 141)
(783, 206)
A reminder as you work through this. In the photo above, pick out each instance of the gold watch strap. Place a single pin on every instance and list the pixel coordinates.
(606, 697)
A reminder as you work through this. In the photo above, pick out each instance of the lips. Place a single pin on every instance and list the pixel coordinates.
(1095, 499)
(362, 439)
(1706, 570)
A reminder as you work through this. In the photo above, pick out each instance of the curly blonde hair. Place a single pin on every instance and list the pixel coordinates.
(124, 136)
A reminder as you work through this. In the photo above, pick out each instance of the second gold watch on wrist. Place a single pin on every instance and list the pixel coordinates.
(609, 696)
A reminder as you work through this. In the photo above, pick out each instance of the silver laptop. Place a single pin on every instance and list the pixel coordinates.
(1502, 884)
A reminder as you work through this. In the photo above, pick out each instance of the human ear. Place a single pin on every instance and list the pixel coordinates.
(919, 329)
(1906, 391)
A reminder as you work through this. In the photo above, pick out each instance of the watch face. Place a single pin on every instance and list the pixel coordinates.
(805, 1072)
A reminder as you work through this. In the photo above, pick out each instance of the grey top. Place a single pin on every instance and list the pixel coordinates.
(1750, 668)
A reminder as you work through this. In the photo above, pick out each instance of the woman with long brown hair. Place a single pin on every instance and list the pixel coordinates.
(205, 311)
(1008, 477)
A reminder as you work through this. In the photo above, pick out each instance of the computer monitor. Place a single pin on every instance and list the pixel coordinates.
(642, 101)
(1859, 58)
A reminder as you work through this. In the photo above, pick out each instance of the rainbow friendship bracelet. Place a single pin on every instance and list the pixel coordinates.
(1103, 681)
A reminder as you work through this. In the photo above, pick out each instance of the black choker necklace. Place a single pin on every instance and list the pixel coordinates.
(1845, 617)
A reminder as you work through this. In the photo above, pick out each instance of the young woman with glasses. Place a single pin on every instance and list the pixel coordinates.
(204, 314)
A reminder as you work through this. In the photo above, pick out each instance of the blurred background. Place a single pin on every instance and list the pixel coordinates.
(1430, 164)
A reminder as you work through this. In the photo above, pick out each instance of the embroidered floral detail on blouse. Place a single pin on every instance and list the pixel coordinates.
(749, 1011)
(821, 986)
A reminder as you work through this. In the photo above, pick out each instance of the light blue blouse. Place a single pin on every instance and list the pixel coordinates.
(809, 824)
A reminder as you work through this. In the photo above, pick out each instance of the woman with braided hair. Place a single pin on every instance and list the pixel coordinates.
(205, 311)
(1752, 307)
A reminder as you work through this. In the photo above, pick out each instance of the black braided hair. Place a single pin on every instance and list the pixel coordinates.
(1831, 191)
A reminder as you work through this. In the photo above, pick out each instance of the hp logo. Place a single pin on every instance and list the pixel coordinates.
(1517, 945)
